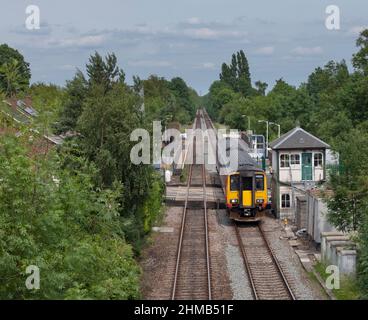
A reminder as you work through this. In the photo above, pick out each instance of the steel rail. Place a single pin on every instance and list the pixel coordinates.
(182, 229)
(276, 262)
(246, 263)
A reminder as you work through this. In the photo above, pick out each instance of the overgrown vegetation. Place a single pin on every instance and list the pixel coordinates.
(349, 289)
(55, 219)
(81, 212)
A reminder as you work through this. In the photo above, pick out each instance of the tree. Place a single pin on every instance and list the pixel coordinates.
(11, 77)
(347, 206)
(261, 87)
(104, 72)
(53, 218)
(360, 59)
(75, 93)
(237, 74)
(23, 73)
(244, 80)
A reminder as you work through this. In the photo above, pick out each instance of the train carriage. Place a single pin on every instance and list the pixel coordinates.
(245, 186)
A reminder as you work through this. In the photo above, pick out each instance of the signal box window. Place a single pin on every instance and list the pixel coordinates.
(295, 159)
(259, 182)
(318, 159)
(234, 183)
(285, 201)
(284, 161)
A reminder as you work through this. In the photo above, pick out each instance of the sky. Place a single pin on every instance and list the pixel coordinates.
(191, 39)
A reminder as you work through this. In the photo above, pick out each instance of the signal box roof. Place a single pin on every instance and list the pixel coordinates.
(298, 138)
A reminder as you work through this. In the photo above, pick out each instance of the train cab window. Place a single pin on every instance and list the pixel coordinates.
(318, 159)
(285, 201)
(259, 182)
(234, 183)
(247, 183)
(284, 161)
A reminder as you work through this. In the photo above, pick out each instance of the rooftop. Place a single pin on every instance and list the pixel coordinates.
(298, 138)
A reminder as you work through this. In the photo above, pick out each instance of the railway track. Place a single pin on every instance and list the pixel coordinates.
(266, 277)
(192, 280)
(267, 280)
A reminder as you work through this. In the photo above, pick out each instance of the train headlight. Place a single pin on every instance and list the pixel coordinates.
(234, 201)
(259, 200)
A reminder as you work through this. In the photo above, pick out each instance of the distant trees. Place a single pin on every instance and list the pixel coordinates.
(15, 73)
(75, 93)
(360, 59)
(104, 72)
(163, 99)
(237, 74)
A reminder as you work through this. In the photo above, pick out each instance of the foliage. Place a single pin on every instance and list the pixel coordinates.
(349, 287)
(104, 72)
(360, 59)
(72, 105)
(47, 99)
(15, 73)
(56, 220)
(11, 77)
(237, 75)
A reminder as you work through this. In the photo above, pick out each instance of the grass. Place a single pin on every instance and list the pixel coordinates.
(184, 174)
(348, 285)
(220, 126)
(314, 279)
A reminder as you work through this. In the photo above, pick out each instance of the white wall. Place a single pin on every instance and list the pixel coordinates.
(293, 173)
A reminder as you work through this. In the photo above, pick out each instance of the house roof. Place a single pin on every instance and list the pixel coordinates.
(298, 138)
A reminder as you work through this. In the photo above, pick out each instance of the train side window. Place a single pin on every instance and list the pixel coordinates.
(259, 182)
(284, 161)
(285, 201)
(247, 183)
(234, 183)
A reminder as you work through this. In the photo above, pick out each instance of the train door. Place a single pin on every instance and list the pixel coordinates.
(307, 166)
(247, 184)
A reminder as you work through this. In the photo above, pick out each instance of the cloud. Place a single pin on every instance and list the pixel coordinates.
(67, 67)
(265, 50)
(208, 65)
(45, 29)
(78, 41)
(194, 20)
(150, 63)
(356, 30)
(212, 34)
(307, 51)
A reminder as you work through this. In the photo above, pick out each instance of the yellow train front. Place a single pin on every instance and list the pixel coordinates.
(246, 194)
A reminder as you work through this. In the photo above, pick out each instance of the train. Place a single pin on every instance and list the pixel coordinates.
(245, 188)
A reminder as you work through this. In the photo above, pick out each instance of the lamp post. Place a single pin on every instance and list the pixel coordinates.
(279, 128)
(243, 116)
(267, 123)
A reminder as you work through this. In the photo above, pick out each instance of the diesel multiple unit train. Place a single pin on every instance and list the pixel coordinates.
(245, 186)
